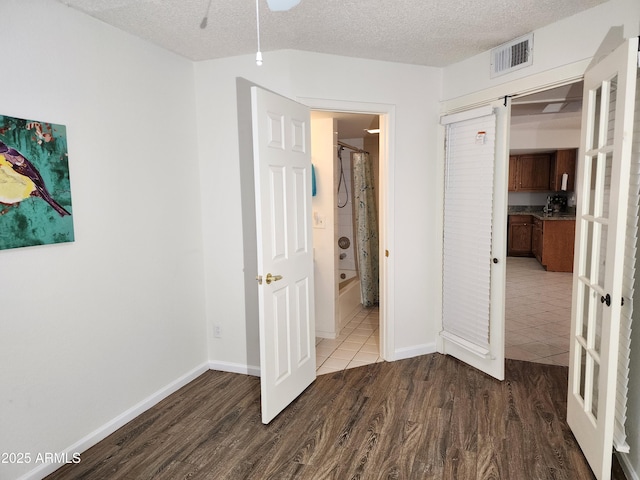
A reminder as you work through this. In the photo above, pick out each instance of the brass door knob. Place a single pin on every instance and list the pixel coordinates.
(272, 278)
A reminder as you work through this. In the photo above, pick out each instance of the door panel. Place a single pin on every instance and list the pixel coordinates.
(474, 237)
(282, 163)
(602, 191)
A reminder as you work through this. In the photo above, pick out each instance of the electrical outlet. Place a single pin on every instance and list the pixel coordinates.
(217, 331)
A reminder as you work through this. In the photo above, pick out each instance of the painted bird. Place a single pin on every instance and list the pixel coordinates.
(19, 180)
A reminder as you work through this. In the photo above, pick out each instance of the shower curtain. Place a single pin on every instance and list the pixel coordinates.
(366, 223)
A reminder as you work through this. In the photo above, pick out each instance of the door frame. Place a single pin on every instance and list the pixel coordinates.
(386, 113)
(546, 80)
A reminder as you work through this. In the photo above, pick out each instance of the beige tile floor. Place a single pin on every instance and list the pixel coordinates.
(358, 344)
(537, 322)
(537, 313)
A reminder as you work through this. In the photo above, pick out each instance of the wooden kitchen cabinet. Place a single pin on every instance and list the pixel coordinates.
(514, 182)
(552, 244)
(530, 173)
(536, 239)
(564, 161)
(519, 235)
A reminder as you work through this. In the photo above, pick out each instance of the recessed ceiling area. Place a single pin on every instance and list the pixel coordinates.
(546, 120)
(555, 108)
(564, 99)
(350, 125)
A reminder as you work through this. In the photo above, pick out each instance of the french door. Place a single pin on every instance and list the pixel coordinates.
(474, 236)
(602, 192)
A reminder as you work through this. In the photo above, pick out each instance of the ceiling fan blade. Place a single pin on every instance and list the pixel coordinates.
(282, 5)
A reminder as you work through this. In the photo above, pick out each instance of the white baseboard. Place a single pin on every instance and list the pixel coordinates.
(628, 470)
(235, 368)
(414, 351)
(328, 335)
(107, 429)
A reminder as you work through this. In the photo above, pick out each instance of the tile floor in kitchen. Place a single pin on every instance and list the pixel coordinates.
(537, 323)
(538, 312)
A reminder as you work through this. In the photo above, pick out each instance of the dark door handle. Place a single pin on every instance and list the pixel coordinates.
(606, 300)
(495, 260)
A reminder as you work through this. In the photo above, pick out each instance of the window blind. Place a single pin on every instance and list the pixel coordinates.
(629, 272)
(468, 212)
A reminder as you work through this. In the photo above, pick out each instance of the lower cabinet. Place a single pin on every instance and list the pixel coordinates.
(552, 244)
(519, 233)
(550, 241)
(536, 239)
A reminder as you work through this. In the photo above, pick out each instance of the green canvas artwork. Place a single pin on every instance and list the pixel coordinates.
(35, 190)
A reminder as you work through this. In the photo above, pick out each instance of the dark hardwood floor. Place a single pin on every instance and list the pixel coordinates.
(429, 417)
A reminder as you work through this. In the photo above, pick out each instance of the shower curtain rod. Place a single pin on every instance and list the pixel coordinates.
(346, 145)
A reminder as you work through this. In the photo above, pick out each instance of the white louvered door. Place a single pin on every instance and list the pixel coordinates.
(282, 163)
(601, 227)
(474, 237)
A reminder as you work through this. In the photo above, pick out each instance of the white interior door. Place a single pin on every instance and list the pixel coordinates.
(282, 162)
(602, 190)
(474, 236)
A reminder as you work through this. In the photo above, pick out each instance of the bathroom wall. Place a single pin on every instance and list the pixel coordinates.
(345, 215)
(325, 221)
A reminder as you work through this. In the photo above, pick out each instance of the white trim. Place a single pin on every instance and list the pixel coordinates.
(466, 115)
(627, 468)
(471, 347)
(555, 77)
(415, 351)
(108, 428)
(328, 335)
(235, 368)
(385, 213)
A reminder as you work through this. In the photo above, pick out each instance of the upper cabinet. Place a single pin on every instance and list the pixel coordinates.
(542, 172)
(529, 173)
(563, 162)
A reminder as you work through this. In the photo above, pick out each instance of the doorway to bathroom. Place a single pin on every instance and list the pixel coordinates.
(346, 159)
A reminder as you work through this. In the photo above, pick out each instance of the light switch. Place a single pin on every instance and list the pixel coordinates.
(319, 221)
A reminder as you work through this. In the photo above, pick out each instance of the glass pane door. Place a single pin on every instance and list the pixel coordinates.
(602, 190)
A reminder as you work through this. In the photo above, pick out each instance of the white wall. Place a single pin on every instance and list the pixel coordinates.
(324, 239)
(540, 132)
(89, 329)
(562, 43)
(566, 42)
(413, 90)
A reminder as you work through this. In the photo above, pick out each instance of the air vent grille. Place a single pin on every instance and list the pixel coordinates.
(512, 56)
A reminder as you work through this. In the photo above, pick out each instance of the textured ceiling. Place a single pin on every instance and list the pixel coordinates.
(424, 32)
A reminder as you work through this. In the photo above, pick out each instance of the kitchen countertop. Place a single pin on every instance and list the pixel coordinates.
(552, 216)
(537, 212)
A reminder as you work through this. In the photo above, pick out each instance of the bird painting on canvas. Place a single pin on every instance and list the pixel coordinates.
(19, 180)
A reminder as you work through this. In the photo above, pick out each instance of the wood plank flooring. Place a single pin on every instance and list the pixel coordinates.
(429, 417)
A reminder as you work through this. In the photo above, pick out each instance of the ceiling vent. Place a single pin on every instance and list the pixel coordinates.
(512, 55)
